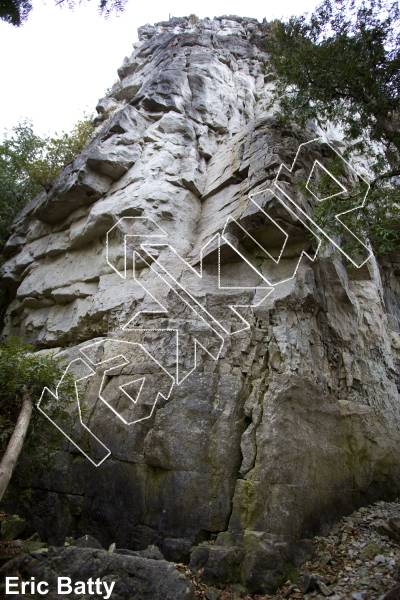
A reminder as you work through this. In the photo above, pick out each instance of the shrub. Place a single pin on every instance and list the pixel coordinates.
(29, 162)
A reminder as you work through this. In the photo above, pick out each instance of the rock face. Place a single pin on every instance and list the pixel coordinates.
(134, 577)
(265, 434)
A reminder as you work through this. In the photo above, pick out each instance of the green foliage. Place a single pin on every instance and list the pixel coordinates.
(16, 12)
(23, 371)
(29, 162)
(379, 220)
(342, 65)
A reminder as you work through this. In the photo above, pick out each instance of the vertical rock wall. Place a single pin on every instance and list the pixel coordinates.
(298, 419)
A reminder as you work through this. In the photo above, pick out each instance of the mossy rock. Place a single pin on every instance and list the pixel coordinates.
(11, 527)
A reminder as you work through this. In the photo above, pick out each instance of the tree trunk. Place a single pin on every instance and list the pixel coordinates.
(14, 447)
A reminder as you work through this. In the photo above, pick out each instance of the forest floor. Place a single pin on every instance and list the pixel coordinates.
(358, 560)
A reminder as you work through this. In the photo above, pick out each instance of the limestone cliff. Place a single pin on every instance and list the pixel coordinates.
(265, 434)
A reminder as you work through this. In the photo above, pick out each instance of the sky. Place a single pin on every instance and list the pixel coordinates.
(55, 67)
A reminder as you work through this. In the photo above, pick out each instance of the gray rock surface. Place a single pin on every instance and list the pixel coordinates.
(135, 577)
(298, 420)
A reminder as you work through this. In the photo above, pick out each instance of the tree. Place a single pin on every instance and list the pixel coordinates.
(29, 162)
(24, 375)
(342, 65)
(16, 12)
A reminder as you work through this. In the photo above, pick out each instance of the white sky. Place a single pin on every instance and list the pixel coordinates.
(61, 61)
